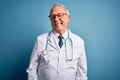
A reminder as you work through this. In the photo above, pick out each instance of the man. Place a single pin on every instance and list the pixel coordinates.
(58, 54)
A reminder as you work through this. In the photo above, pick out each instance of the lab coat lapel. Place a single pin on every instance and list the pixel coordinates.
(53, 42)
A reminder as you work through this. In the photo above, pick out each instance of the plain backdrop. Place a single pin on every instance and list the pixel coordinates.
(96, 21)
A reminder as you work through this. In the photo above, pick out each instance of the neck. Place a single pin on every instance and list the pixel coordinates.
(61, 31)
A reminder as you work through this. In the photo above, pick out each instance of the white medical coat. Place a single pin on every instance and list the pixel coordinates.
(52, 64)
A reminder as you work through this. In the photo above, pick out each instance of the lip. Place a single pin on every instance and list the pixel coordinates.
(58, 23)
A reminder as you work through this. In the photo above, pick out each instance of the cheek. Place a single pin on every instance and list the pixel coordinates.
(52, 22)
(66, 19)
(65, 22)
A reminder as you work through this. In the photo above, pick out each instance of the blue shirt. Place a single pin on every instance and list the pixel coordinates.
(55, 63)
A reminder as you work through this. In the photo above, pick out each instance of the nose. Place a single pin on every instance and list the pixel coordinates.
(56, 18)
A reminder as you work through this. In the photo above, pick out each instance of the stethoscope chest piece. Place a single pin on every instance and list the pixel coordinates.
(44, 52)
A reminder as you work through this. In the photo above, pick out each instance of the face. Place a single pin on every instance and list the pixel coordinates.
(59, 19)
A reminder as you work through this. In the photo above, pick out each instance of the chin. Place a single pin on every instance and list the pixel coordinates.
(58, 28)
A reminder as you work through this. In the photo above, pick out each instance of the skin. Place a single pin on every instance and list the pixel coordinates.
(59, 24)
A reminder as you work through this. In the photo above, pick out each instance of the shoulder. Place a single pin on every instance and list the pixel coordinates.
(76, 38)
(43, 36)
(41, 39)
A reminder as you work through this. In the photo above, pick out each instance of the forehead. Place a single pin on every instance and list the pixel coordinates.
(58, 9)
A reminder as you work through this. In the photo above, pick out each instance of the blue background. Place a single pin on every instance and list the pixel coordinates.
(96, 21)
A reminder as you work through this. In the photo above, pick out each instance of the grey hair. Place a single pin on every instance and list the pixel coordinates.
(67, 11)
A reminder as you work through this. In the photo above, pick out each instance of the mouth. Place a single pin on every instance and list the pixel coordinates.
(59, 23)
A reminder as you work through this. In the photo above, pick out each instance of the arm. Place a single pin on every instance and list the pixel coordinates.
(82, 66)
(32, 69)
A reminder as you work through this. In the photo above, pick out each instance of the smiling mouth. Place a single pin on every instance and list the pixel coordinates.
(58, 23)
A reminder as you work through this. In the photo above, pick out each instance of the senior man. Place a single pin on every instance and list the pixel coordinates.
(58, 54)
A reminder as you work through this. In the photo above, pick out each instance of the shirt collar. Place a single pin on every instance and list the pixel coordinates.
(65, 35)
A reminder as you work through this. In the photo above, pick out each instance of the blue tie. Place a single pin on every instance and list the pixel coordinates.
(60, 37)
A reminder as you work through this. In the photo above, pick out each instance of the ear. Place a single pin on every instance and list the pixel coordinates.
(68, 18)
(50, 19)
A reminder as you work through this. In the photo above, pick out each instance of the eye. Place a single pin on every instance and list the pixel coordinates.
(60, 15)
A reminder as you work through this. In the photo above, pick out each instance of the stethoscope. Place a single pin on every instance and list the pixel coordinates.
(68, 47)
